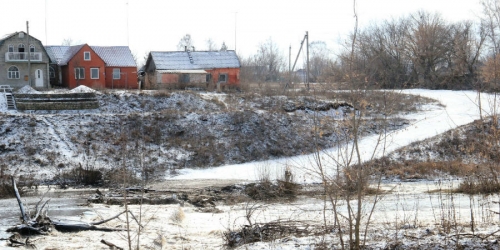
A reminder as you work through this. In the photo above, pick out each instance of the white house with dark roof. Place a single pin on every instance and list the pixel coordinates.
(93, 66)
(168, 68)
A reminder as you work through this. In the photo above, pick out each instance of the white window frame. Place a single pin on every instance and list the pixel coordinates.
(32, 47)
(92, 75)
(79, 73)
(225, 77)
(13, 74)
(117, 73)
(86, 55)
(11, 48)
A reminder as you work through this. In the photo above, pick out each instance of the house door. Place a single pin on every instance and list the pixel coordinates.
(39, 78)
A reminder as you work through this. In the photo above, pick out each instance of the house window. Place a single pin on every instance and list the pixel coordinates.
(86, 55)
(223, 78)
(209, 77)
(13, 72)
(52, 72)
(94, 73)
(32, 48)
(116, 74)
(20, 48)
(79, 73)
(11, 48)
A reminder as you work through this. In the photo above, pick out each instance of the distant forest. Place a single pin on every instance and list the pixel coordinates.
(418, 50)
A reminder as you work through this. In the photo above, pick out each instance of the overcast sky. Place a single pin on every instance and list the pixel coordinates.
(158, 25)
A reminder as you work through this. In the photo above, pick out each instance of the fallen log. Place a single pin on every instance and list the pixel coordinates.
(18, 197)
(41, 224)
(76, 226)
(109, 244)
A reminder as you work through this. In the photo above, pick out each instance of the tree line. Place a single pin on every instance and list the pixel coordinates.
(418, 50)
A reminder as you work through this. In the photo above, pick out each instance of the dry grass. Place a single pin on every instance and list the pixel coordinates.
(178, 216)
(414, 169)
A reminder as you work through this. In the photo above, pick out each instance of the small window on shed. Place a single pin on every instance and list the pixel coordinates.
(223, 78)
(86, 55)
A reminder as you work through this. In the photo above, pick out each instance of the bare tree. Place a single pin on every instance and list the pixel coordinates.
(211, 45)
(318, 61)
(270, 58)
(491, 22)
(467, 44)
(186, 42)
(67, 42)
(427, 45)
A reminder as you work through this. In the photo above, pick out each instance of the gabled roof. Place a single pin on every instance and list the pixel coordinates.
(189, 60)
(113, 56)
(6, 37)
(62, 54)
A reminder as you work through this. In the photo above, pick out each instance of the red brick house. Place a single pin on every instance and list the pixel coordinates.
(164, 69)
(92, 66)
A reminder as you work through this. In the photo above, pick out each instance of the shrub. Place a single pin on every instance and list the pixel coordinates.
(178, 215)
(80, 176)
(480, 181)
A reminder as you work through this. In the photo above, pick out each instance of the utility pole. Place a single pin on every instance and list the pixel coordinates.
(307, 52)
(306, 39)
(235, 23)
(29, 52)
(290, 65)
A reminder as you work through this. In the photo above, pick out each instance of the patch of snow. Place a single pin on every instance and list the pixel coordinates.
(3, 103)
(82, 89)
(27, 90)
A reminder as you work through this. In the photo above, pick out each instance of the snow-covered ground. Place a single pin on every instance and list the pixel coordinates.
(412, 214)
(456, 108)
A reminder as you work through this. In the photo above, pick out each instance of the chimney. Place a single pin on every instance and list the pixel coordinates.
(185, 48)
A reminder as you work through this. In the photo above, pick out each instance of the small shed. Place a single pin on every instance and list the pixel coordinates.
(191, 68)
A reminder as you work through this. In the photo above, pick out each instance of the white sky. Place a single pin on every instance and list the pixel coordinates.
(149, 25)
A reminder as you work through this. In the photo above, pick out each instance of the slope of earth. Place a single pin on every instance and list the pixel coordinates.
(153, 133)
(465, 150)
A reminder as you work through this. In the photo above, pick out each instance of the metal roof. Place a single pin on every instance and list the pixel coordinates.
(189, 60)
(113, 56)
(62, 54)
(56, 53)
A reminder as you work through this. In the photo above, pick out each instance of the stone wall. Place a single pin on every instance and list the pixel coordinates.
(66, 101)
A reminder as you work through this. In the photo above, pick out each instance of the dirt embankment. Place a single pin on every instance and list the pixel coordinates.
(157, 133)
